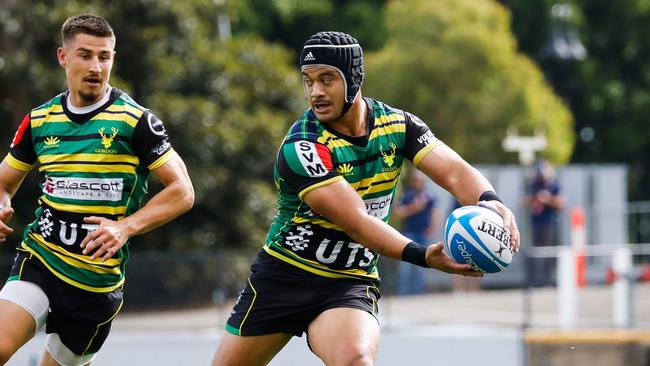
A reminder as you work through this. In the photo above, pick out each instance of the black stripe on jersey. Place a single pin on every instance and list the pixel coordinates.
(81, 138)
(95, 264)
(122, 112)
(378, 183)
(40, 116)
(57, 113)
(90, 163)
(368, 158)
(392, 123)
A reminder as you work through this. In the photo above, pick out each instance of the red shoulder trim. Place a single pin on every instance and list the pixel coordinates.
(21, 130)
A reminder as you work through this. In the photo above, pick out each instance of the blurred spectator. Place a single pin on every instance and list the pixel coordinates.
(544, 200)
(417, 210)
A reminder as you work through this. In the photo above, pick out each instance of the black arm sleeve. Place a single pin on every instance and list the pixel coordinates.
(418, 136)
(150, 139)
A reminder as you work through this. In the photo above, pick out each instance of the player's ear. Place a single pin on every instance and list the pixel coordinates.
(61, 56)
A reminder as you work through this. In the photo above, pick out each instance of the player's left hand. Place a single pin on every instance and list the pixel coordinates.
(509, 223)
(106, 240)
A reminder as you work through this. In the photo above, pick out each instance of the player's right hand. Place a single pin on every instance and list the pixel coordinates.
(438, 259)
(5, 216)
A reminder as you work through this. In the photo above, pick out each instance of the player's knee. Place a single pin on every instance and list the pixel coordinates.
(7, 349)
(361, 360)
(63, 355)
(355, 356)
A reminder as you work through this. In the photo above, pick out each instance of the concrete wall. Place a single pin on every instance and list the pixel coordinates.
(593, 348)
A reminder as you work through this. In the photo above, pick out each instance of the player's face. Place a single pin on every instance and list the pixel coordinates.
(87, 61)
(325, 91)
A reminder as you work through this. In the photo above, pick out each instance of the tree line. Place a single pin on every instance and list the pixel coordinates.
(223, 77)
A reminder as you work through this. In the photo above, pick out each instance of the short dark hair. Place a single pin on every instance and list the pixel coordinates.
(86, 24)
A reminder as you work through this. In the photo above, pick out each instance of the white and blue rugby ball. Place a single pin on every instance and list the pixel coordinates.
(475, 235)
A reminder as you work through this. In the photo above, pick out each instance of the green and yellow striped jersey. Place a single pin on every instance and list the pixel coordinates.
(312, 156)
(93, 164)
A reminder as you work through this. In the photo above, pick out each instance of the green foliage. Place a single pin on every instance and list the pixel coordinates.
(292, 21)
(455, 65)
(609, 92)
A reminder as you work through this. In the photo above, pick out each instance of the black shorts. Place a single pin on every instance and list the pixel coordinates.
(81, 318)
(281, 298)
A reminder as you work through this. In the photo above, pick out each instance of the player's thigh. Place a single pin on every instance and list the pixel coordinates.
(344, 336)
(23, 309)
(16, 327)
(236, 350)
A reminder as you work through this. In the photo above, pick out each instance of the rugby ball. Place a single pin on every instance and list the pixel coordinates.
(475, 235)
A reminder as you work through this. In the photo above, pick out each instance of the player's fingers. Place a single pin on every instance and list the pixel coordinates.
(109, 253)
(90, 237)
(463, 269)
(4, 229)
(472, 273)
(510, 226)
(6, 213)
(95, 243)
(515, 237)
(93, 220)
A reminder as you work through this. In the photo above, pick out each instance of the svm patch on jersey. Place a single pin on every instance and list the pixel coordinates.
(307, 158)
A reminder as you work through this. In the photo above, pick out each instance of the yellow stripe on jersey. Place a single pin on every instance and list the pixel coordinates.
(381, 120)
(326, 182)
(127, 108)
(89, 168)
(162, 160)
(17, 164)
(418, 157)
(319, 222)
(56, 118)
(390, 176)
(397, 128)
(124, 118)
(36, 117)
(69, 281)
(332, 140)
(349, 273)
(379, 188)
(111, 266)
(109, 158)
(108, 210)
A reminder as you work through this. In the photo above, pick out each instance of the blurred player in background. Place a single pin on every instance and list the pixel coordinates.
(95, 147)
(545, 200)
(420, 221)
(336, 173)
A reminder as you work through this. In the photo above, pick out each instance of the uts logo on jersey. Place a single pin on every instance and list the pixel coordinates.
(96, 189)
(308, 159)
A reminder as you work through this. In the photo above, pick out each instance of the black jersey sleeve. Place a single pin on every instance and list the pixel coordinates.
(151, 142)
(419, 139)
(306, 165)
(21, 152)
